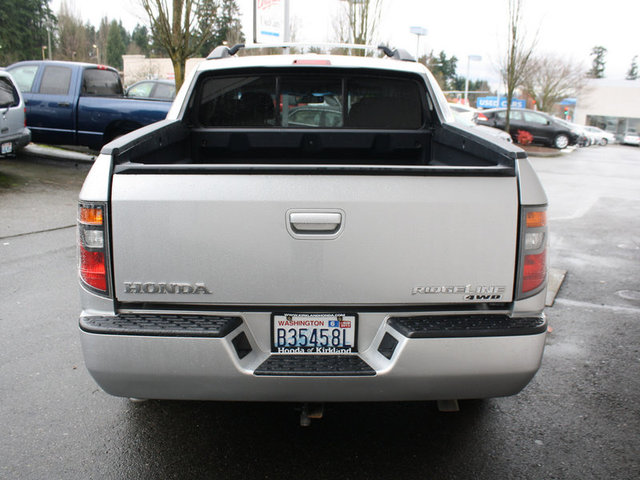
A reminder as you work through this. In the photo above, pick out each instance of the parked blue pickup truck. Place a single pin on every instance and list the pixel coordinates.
(71, 103)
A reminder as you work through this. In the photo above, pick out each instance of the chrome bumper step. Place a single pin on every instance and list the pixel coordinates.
(162, 325)
(315, 365)
(448, 326)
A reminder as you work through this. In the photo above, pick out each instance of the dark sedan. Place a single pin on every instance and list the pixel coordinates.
(545, 129)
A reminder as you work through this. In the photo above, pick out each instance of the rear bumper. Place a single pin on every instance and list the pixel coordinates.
(400, 359)
(20, 139)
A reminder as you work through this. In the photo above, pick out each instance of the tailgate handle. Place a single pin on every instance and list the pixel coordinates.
(315, 222)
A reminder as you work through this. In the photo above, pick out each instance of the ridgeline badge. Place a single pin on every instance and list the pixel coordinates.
(470, 292)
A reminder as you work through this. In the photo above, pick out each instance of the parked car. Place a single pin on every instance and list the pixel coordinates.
(72, 103)
(631, 137)
(585, 138)
(227, 253)
(468, 116)
(312, 116)
(14, 133)
(164, 90)
(602, 136)
(545, 129)
(463, 113)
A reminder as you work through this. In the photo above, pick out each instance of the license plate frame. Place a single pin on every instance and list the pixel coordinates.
(6, 148)
(344, 323)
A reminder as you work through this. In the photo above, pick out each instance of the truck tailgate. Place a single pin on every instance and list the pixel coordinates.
(233, 239)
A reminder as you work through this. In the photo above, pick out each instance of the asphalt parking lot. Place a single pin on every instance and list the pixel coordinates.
(578, 419)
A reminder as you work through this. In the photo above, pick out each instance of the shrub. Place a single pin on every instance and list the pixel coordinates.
(524, 137)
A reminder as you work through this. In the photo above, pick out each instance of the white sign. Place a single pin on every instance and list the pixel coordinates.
(270, 23)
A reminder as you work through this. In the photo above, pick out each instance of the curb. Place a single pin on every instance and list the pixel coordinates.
(36, 150)
(549, 154)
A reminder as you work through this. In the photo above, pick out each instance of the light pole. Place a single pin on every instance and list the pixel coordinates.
(44, 47)
(418, 32)
(97, 53)
(475, 58)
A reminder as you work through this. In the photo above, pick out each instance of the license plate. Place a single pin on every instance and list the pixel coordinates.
(6, 148)
(313, 333)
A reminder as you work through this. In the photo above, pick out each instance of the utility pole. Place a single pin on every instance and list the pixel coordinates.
(418, 32)
(475, 58)
(49, 40)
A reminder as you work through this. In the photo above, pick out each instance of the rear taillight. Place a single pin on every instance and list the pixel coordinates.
(482, 116)
(533, 251)
(92, 256)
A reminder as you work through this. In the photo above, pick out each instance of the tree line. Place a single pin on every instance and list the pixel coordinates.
(30, 30)
(180, 29)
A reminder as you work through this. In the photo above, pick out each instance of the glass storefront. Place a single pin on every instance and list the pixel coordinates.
(615, 125)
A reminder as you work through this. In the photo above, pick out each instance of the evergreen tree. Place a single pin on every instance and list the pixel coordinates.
(443, 68)
(116, 46)
(226, 26)
(632, 74)
(140, 37)
(598, 64)
(227, 23)
(23, 29)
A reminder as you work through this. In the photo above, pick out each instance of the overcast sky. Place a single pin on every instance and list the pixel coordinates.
(570, 28)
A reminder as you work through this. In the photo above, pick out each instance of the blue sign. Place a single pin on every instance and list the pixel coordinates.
(492, 102)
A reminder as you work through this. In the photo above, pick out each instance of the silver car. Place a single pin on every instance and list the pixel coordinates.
(14, 133)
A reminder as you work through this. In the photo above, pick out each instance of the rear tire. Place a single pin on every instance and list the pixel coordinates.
(561, 141)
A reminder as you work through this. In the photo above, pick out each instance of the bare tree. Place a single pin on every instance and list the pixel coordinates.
(175, 28)
(519, 52)
(357, 21)
(551, 78)
(75, 40)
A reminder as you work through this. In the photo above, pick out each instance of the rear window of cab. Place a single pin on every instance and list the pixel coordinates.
(97, 82)
(295, 100)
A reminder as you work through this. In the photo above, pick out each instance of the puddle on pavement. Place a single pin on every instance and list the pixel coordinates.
(22, 171)
(8, 180)
(633, 295)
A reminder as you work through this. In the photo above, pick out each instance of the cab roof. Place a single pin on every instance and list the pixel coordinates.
(311, 60)
(223, 57)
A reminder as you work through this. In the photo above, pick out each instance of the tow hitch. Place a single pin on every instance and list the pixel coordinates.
(309, 411)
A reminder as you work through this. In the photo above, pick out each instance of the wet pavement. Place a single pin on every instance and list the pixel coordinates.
(579, 418)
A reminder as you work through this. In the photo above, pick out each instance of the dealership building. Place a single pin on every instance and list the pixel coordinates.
(613, 105)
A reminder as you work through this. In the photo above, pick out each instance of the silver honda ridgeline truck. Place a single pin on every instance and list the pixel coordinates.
(311, 228)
